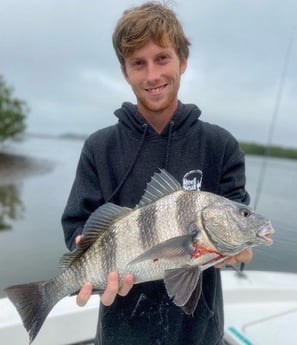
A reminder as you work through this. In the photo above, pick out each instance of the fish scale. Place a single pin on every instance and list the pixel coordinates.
(146, 223)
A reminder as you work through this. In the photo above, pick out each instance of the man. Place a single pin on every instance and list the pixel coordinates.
(117, 162)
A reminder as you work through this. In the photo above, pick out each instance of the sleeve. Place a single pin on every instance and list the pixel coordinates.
(84, 198)
(233, 179)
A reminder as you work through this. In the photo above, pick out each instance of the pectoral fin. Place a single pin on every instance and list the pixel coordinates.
(170, 249)
(184, 285)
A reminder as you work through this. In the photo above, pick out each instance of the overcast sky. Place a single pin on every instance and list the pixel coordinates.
(58, 56)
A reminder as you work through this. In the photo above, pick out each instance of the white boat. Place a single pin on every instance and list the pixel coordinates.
(66, 324)
(260, 309)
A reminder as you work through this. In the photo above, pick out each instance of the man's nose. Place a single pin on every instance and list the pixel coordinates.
(153, 72)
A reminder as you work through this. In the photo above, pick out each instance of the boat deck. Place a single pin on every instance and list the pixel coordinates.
(260, 308)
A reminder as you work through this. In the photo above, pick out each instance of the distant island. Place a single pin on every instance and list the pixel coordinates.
(249, 148)
(271, 151)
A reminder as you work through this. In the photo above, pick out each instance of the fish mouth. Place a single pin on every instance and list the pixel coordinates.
(264, 234)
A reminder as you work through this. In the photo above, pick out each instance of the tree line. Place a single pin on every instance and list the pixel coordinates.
(270, 151)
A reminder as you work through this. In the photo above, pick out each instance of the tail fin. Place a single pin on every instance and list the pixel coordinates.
(32, 303)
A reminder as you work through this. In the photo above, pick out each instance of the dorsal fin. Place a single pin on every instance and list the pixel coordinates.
(161, 184)
(98, 222)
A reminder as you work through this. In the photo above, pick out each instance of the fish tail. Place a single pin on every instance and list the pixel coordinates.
(33, 303)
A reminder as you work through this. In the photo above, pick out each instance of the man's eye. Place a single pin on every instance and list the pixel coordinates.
(137, 63)
(163, 58)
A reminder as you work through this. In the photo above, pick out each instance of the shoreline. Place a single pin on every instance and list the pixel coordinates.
(14, 168)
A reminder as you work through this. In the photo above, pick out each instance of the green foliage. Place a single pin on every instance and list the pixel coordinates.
(13, 112)
(271, 151)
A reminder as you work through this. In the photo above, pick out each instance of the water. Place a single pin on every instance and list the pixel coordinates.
(31, 249)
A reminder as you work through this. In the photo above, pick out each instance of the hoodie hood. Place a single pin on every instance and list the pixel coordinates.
(183, 118)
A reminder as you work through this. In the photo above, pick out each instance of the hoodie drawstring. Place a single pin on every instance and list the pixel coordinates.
(168, 144)
(145, 126)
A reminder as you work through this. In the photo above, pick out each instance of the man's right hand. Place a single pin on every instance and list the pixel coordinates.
(114, 287)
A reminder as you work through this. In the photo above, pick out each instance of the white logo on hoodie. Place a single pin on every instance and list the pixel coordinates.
(192, 180)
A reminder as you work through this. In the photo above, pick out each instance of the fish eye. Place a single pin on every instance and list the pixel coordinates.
(245, 212)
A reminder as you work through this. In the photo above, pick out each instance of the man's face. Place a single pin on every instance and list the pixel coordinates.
(154, 74)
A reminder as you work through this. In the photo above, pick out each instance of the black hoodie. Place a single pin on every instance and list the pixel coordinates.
(115, 165)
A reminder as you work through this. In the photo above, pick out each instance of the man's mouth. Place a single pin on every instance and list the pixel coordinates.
(156, 90)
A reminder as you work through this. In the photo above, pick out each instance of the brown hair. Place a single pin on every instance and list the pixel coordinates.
(150, 21)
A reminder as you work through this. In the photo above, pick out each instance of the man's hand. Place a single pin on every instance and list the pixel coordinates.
(245, 256)
(114, 287)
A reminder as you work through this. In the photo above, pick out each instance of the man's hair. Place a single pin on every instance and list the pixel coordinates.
(150, 21)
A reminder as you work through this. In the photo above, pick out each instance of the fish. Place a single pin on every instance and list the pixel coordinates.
(171, 234)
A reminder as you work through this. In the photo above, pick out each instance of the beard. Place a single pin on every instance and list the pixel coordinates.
(156, 104)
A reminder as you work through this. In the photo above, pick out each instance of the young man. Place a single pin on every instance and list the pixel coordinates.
(117, 162)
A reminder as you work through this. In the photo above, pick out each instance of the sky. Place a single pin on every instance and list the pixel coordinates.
(242, 71)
